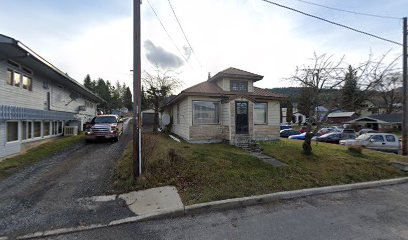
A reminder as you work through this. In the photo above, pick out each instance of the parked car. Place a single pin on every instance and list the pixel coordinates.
(325, 130)
(303, 129)
(105, 127)
(285, 126)
(386, 142)
(301, 136)
(288, 132)
(334, 137)
(366, 130)
(348, 133)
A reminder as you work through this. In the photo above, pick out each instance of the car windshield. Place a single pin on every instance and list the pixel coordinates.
(105, 119)
(363, 137)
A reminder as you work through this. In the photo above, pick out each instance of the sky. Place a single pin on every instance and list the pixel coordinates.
(95, 36)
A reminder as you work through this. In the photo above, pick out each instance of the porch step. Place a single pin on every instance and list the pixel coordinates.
(246, 143)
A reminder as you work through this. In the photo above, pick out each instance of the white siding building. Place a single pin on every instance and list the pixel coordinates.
(36, 99)
(226, 107)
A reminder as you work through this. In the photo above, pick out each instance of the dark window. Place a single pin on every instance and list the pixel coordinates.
(12, 131)
(390, 138)
(378, 138)
(178, 114)
(37, 129)
(239, 86)
(9, 77)
(106, 119)
(46, 126)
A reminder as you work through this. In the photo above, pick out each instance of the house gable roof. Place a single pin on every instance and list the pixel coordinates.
(235, 73)
(340, 114)
(381, 118)
(211, 89)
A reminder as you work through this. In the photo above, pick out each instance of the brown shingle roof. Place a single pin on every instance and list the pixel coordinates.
(211, 89)
(236, 73)
(204, 87)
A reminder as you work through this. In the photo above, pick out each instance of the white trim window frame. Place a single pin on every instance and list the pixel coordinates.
(15, 137)
(257, 110)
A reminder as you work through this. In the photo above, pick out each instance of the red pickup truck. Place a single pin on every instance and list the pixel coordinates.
(104, 127)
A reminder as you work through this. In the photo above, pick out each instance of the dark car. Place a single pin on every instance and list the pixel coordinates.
(288, 132)
(330, 137)
(348, 133)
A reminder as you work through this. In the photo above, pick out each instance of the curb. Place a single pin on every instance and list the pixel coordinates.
(273, 197)
(220, 205)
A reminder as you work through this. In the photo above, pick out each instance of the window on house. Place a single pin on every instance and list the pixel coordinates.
(46, 126)
(17, 79)
(260, 113)
(59, 127)
(29, 130)
(27, 83)
(12, 131)
(239, 86)
(9, 77)
(24, 130)
(178, 114)
(37, 129)
(205, 112)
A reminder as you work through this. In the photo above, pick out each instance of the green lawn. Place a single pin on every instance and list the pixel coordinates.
(13, 164)
(210, 172)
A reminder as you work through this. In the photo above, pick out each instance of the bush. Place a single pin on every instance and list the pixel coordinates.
(355, 149)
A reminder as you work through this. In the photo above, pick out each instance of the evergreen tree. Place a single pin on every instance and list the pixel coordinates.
(89, 84)
(351, 93)
(289, 112)
(127, 99)
(305, 104)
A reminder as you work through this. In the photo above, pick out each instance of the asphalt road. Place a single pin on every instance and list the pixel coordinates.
(377, 213)
(50, 194)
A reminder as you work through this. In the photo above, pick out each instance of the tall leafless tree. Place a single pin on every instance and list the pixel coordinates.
(159, 85)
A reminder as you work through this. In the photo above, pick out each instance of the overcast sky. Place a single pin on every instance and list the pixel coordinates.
(95, 36)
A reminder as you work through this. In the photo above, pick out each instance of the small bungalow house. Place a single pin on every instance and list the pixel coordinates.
(36, 99)
(226, 107)
(380, 122)
(340, 117)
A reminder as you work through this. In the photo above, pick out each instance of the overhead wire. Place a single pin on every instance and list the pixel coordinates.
(184, 34)
(348, 11)
(331, 22)
(168, 34)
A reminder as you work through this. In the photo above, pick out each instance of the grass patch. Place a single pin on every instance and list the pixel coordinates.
(210, 172)
(11, 165)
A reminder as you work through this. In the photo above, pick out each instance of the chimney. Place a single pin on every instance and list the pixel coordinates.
(209, 75)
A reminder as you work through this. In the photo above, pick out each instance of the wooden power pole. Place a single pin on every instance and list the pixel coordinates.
(405, 85)
(137, 168)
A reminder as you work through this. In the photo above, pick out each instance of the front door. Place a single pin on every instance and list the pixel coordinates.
(241, 117)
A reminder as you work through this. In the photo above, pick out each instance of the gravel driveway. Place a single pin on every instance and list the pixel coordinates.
(50, 194)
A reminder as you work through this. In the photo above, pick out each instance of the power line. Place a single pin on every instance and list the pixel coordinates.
(348, 11)
(334, 23)
(168, 34)
(181, 28)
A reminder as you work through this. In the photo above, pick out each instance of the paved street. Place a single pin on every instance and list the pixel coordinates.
(49, 194)
(378, 213)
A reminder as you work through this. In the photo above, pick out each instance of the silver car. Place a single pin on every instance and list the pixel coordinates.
(386, 142)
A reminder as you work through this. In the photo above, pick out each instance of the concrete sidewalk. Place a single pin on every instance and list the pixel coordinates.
(165, 202)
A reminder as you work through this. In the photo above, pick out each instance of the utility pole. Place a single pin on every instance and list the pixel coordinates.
(405, 84)
(137, 160)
